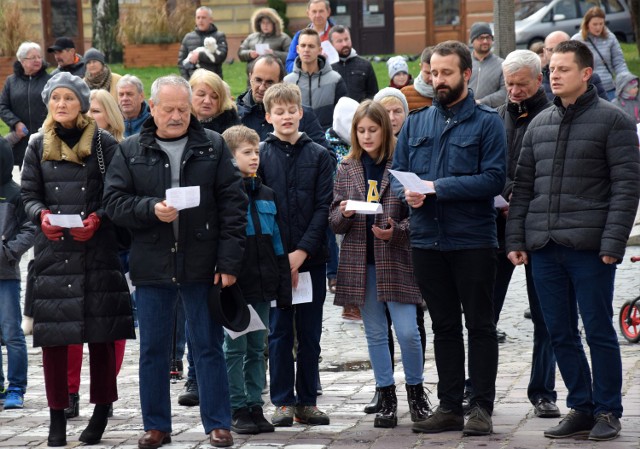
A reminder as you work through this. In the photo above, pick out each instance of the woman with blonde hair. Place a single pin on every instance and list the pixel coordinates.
(608, 60)
(211, 102)
(104, 110)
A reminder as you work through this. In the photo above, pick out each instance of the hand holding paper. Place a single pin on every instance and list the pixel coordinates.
(412, 182)
(363, 207)
(183, 197)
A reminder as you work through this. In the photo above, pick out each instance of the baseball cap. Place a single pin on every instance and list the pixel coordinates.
(62, 43)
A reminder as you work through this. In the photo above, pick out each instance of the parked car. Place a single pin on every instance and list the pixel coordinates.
(535, 19)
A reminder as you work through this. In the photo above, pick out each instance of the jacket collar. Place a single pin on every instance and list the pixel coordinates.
(537, 102)
(302, 141)
(212, 29)
(18, 70)
(584, 101)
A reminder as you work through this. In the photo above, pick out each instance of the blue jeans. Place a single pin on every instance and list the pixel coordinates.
(245, 363)
(403, 317)
(156, 306)
(334, 254)
(568, 280)
(12, 335)
(302, 376)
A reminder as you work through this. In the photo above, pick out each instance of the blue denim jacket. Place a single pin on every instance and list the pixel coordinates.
(465, 155)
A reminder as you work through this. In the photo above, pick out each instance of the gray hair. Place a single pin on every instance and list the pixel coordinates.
(205, 8)
(169, 80)
(521, 59)
(326, 3)
(25, 48)
(130, 80)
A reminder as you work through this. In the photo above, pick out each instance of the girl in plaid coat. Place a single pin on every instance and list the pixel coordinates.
(375, 270)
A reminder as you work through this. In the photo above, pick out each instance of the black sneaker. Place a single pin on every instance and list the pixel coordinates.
(466, 401)
(527, 313)
(607, 427)
(546, 408)
(190, 397)
(575, 423)
(501, 335)
(442, 420)
(257, 416)
(242, 423)
(478, 422)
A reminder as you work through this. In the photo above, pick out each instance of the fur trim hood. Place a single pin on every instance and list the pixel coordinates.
(270, 14)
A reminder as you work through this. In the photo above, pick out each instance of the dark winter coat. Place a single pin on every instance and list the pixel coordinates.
(578, 179)
(80, 293)
(78, 68)
(252, 115)
(222, 122)
(301, 175)
(320, 90)
(394, 269)
(211, 235)
(278, 40)
(359, 76)
(266, 274)
(15, 228)
(21, 101)
(195, 39)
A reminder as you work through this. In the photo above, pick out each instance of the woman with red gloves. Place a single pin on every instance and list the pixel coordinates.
(80, 294)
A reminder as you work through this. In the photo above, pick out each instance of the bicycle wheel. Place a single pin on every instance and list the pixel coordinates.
(630, 321)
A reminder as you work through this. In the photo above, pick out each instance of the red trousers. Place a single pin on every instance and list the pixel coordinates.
(102, 373)
(75, 363)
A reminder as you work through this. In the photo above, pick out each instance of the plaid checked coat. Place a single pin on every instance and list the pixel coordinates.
(394, 270)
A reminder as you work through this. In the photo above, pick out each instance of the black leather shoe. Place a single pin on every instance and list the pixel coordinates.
(153, 439)
(575, 423)
(607, 427)
(74, 406)
(375, 404)
(242, 423)
(57, 428)
(545, 408)
(190, 396)
(257, 416)
(220, 438)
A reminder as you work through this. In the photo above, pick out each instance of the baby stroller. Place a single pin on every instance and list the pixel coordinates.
(629, 318)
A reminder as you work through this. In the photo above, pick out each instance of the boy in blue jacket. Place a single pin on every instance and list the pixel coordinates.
(300, 172)
(264, 277)
(17, 237)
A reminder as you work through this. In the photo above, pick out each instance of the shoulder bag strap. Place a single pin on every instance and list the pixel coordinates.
(601, 58)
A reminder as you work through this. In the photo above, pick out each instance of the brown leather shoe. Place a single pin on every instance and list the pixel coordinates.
(220, 438)
(153, 439)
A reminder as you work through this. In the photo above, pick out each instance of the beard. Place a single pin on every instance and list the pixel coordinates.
(449, 95)
(345, 51)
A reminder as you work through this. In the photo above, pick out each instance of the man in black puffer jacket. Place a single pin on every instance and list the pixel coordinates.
(189, 60)
(177, 255)
(573, 205)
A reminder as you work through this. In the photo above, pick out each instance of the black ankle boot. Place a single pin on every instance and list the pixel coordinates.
(57, 428)
(418, 403)
(387, 416)
(74, 406)
(98, 422)
(374, 405)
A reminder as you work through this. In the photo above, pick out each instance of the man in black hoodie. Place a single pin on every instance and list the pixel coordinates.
(17, 237)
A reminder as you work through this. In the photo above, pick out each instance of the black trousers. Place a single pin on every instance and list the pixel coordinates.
(448, 280)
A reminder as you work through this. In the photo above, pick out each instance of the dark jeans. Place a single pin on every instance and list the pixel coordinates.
(568, 280)
(334, 252)
(296, 383)
(543, 363)
(447, 280)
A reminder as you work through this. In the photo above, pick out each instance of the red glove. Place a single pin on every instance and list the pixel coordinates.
(52, 232)
(91, 225)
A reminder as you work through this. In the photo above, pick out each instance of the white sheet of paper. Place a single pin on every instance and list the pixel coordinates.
(499, 202)
(183, 197)
(262, 48)
(255, 324)
(411, 181)
(66, 220)
(363, 207)
(330, 51)
(304, 292)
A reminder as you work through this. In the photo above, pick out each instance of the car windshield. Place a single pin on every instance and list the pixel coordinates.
(524, 8)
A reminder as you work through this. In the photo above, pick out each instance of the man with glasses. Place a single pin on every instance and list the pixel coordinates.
(486, 80)
(64, 51)
(550, 43)
(264, 72)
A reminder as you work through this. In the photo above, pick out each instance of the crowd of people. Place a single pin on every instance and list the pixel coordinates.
(520, 161)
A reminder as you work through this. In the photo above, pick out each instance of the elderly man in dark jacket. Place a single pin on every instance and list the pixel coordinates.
(178, 255)
(21, 106)
(198, 51)
(574, 202)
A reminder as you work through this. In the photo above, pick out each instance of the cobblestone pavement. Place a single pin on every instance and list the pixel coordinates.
(348, 385)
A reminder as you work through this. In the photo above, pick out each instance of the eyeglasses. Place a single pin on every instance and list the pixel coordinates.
(485, 37)
(257, 82)
(33, 58)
